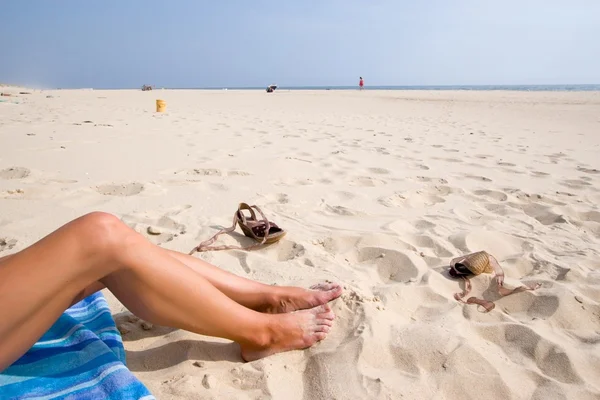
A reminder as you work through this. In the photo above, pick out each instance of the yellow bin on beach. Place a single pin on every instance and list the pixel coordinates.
(161, 106)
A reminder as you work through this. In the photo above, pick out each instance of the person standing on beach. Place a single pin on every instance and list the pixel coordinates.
(361, 83)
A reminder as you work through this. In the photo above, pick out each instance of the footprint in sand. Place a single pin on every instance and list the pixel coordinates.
(248, 377)
(348, 160)
(159, 229)
(548, 389)
(424, 225)
(554, 271)
(392, 266)
(430, 179)
(127, 189)
(499, 244)
(498, 196)
(528, 306)
(238, 173)
(415, 199)
(588, 170)
(447, 353)
(523, 342)
(498, 209)
(452, 160)
(556, 155)
(394, 200)
(133, 328)
(366, 181)
(288, 250)
(424, 241)
(212, 172)
(7, 244)
(343, 195)
(540, 174)
(14, 173)
(343, 346)
(281, 198)
(339, 210)
(204, 172)
(593, 216)
(574, 183)
(478, 178)
(380, 171)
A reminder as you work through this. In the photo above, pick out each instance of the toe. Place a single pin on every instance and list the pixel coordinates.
(322, 309)
(320, 336)
(333, 292)
(329, 316)
(320, 286)
(327, 287)
(324, 286)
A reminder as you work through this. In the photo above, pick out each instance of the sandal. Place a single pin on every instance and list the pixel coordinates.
(476, 264)
(252, 228)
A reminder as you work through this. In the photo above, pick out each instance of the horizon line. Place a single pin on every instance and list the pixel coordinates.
(343, 87)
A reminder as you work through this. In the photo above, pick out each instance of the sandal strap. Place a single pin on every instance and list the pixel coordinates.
(460, 296)
(205, 246)
(254, 221)
(267, 225)
(244, 206)
(490, 305)
(505, 292)
(238, 217)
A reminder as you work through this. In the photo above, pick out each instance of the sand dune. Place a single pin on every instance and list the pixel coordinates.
(378, 191)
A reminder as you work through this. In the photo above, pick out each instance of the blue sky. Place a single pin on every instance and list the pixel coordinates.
(187, 43)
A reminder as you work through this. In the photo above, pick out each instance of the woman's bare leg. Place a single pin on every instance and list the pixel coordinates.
(498, 271)
(40, 282)
(252, 294)
(258, 296)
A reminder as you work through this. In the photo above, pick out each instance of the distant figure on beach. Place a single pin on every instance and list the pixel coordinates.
(361, 83)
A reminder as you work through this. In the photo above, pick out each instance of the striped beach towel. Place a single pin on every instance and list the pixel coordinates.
(80, 357)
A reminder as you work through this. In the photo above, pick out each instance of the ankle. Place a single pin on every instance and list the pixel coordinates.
(272, 299)
(265, 334)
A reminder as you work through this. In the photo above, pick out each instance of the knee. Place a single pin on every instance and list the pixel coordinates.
(100, 220)
(100, 231)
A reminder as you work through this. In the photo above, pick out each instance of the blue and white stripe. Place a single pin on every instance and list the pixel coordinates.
(80, 357)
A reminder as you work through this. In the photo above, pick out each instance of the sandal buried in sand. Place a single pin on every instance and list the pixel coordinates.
(476, 264)
(252, 228)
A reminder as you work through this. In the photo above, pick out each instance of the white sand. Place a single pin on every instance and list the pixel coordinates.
(378, 190)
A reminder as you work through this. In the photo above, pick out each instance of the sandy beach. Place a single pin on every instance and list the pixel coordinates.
(378, 191)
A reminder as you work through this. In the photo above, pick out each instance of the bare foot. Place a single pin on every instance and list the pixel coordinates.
(293, 331)
(289, 298)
